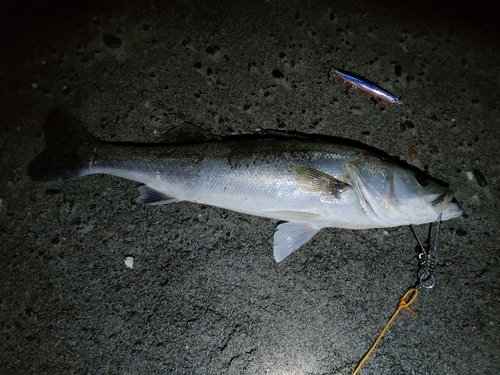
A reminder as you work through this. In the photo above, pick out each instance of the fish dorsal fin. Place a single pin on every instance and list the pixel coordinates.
(314, 181)
(153, 197)
(290, 236)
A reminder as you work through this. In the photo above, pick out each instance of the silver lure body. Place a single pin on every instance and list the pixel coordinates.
(367, 86)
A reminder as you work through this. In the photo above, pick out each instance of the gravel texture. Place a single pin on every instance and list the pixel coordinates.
(92, 282)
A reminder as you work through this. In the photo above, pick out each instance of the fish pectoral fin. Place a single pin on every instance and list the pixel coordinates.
(290, 236)
(313, 181)
(153, 197)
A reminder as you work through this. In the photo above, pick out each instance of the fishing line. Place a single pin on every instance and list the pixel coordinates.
(425, 279)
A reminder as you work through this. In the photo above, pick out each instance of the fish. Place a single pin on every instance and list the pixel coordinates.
(365, 85)
(309, 184)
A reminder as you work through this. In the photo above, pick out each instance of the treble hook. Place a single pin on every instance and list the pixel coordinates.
(427, 260)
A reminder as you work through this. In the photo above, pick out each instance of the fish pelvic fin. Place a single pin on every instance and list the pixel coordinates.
(69, 149)
(290, 236)
(153, 197)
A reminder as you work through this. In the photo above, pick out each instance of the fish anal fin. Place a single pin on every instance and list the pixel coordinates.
(153, 197)
(313, 181)
(290, 236)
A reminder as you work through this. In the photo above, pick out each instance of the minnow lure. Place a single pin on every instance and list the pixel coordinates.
(366, 85)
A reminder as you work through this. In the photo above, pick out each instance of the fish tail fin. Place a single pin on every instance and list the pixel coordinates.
(68, 149)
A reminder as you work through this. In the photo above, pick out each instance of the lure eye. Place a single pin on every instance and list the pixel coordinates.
(422, 180)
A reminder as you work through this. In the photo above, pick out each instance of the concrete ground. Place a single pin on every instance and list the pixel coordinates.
(204, 295)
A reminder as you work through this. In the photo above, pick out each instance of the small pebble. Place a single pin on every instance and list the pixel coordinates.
(129, 262)
(479, 178)
(413, 154)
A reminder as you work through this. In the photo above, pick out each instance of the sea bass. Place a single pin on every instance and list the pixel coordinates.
(308, 184)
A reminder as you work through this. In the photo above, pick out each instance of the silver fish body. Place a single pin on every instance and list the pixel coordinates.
(310, 185)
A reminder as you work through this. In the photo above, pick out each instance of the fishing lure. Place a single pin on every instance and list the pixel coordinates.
(365, 85)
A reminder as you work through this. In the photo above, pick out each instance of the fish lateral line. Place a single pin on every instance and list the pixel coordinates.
(366, 85)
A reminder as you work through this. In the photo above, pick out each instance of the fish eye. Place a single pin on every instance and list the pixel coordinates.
(422, 180)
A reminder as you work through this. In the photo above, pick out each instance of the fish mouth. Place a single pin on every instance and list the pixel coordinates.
(452, 211)
(446, 205)
(441, 201)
